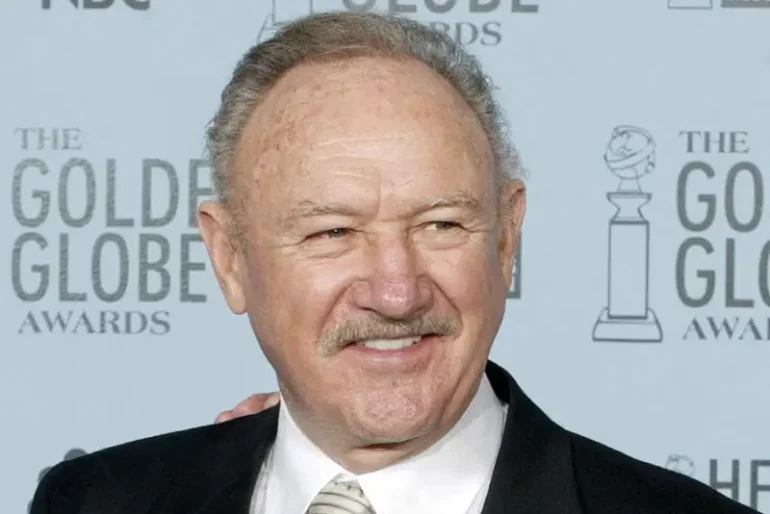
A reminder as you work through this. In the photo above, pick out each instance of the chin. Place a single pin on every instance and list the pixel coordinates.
(392, 420)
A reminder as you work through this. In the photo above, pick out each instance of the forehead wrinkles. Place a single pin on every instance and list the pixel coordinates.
(318, 98)
(282, 118)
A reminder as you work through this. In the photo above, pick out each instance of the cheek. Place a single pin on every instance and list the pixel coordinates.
(467, 278)
(296, 297)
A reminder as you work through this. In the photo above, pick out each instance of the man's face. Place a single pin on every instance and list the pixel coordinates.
(376, 258)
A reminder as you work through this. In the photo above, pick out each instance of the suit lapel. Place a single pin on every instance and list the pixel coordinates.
(236, 464)
(534, 470)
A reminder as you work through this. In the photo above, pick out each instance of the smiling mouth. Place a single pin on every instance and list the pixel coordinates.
(391, 344)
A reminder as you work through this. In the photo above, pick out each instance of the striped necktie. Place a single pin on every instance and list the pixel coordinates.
(341, 497)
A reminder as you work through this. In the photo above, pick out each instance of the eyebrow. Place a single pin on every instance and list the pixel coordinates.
(312, 208)
(461, 200)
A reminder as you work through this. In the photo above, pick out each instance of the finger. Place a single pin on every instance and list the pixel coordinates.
(272, 400)
(255, 403)
(224, 416)
(245, 409)
(251, 405)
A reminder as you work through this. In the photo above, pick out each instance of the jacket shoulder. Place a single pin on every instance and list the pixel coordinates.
(610, 482)
(132, 473)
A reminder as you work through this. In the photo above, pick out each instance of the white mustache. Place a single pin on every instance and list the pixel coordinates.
(369, 329)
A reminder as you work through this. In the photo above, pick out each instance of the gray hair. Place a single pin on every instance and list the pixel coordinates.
(337, 35)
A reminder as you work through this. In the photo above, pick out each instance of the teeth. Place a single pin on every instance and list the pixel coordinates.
(390, 344)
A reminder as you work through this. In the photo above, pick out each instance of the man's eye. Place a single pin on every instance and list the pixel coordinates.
(334, 233)
(445, 225)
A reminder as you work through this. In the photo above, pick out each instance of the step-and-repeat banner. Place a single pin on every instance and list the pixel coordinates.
(640, 313)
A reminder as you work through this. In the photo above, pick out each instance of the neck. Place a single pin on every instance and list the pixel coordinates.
(361, 458)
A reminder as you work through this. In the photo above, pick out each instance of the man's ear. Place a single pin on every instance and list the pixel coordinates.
(214, 222)
(513, 205)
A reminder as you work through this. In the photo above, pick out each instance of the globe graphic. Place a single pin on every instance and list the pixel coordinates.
(630, 153)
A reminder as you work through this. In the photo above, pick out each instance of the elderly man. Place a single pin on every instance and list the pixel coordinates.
(369, 211)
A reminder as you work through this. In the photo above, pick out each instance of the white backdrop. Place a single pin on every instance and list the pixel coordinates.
(113, 328)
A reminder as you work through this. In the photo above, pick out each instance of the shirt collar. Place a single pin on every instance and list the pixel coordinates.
(444, 478)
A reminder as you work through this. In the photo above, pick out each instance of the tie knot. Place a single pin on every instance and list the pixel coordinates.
(341, 497)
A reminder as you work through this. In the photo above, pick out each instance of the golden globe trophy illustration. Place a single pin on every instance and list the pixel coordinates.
(682, 464)
(283, 12)
(627, 317)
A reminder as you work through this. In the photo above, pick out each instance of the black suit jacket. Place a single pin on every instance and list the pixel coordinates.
(541, 469)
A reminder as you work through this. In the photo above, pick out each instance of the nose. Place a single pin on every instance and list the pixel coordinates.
(395, 285)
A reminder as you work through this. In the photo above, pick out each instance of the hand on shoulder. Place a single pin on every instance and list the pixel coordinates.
(251, 405)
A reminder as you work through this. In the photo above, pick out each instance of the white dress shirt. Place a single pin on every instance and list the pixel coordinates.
(450, 477)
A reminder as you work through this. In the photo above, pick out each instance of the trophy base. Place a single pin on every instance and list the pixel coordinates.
(628, 330)
(690, 4)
